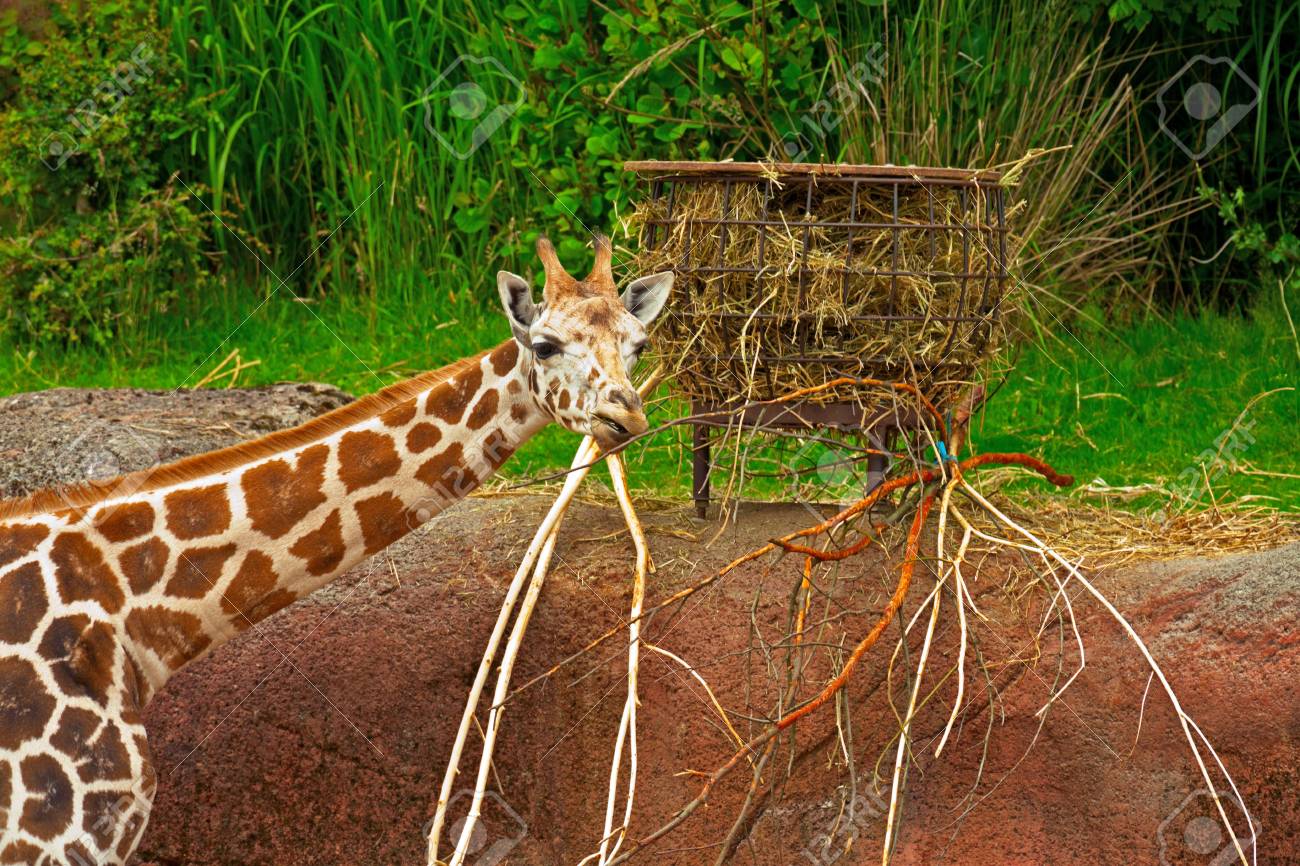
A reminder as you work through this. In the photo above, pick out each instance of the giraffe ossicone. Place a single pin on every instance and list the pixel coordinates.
(108, 588)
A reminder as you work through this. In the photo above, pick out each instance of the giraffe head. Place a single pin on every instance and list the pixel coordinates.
(580, 343)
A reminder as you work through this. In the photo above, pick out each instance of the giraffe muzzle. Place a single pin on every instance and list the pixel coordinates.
(614, 425)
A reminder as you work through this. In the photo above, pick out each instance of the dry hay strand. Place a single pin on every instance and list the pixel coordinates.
(1113, 537)
(1109, 535)
(842, 300)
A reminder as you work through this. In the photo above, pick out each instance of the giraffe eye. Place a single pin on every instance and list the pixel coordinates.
(545, 350)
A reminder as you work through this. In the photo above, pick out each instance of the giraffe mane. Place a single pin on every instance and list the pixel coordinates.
(234, 456)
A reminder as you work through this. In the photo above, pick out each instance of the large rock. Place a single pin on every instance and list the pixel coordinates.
(51, 438)
(322, 738)
(321, 735)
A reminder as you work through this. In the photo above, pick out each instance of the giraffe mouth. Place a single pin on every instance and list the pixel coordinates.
(612, 424)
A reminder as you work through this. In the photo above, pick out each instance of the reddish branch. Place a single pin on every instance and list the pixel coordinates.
(911, 550)
(886, 617)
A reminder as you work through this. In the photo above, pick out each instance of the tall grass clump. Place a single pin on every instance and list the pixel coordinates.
(975, 85)
(315, 106)
(333, 139)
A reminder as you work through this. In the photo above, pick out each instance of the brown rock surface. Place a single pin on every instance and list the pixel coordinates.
(334, 755)
(48, 438)
(320, 736)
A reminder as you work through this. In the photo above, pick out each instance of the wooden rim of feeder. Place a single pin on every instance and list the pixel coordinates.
(761, 170)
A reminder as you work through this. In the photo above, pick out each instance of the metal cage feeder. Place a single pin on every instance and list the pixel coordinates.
(979, 284)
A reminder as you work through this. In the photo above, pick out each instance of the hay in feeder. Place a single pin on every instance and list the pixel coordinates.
(785, 283)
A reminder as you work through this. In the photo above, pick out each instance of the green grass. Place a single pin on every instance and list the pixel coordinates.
(1132, 406)
(1143, 404)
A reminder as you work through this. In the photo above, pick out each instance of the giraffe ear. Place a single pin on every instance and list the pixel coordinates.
(645, 297)
(517, 298)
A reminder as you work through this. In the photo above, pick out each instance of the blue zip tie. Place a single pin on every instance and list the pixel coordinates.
(944, 456)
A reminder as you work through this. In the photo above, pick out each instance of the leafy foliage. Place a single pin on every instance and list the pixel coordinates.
(1214, 16)
(97, 233)
(363, 144)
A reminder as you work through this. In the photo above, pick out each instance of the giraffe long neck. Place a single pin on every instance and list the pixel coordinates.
(229, 550)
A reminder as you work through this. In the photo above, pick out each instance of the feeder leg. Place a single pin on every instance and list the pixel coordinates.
(700, 487)
(878, 464)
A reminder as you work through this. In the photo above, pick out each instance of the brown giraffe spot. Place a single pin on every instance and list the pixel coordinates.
(173, 635)
(513, 387)
(422, 437)
(198, 569)
(147, 782)
(135, 691)
(78, 854)
(443, 470)
(76, 728)
(484, 410)
(264, 608)
(24, 703)
(600, 315)
(144, 564)
(198, 513)
(19, 540)
(503, 357)
(400, 415)
(22, 602)
(519, 412)
(383, 520)
(564, 399)
(61, 636)
(124, 522)
(322, 548)
(96, 747)
(135, 824)
(252, 595)
(5, 792)
(279, 496)
(82, 573)
(49, 797)
(366, 457)
(24, 853)
(449, 400)
(497, 449)
(87, 668)
(106, 757)
(101, 811)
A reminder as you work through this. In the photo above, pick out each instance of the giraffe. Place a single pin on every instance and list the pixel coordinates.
(107, 589)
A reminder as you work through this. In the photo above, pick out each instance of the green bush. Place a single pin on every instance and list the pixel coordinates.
(315, 106)
(1260, 155)
(99, 232)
